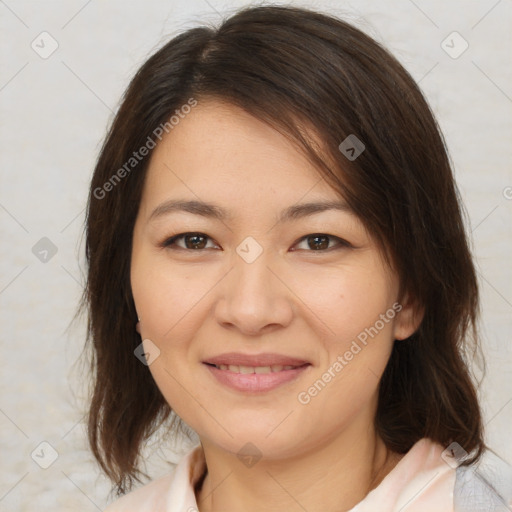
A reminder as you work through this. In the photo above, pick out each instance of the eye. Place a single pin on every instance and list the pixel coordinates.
(192, 241)
(319, 242)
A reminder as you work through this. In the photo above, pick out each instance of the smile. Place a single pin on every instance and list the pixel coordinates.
(254, 373)
(254, 369)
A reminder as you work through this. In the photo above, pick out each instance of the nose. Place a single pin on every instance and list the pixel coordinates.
(253, 298)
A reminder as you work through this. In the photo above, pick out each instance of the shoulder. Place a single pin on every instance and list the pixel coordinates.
(149, 497)
(427, 480)
(421, 481)
(485, 486)
(430, 477)
(169, 492)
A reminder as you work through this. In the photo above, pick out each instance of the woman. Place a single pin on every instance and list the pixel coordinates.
(277, 255)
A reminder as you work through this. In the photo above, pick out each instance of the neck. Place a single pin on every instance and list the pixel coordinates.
(333, 477)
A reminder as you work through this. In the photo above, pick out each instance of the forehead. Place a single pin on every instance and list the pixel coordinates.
(220, 151)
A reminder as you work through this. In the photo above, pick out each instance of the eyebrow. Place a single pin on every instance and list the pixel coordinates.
(213, 211)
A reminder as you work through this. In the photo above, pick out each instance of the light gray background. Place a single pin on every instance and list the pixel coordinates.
(54, 115)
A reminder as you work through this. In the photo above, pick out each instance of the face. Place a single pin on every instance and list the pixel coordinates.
(272, 323)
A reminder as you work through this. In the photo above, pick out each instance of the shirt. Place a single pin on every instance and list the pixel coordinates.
(424, 480)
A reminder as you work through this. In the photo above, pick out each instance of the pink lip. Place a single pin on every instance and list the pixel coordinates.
(255, 382)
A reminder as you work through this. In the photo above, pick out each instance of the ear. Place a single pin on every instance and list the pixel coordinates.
(137, 327)
(408, 318)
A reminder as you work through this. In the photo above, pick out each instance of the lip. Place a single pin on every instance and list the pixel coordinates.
(255, 382)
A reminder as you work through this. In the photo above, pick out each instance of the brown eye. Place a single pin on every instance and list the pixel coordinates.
(320, 242)
(192, 241)
(195, 241)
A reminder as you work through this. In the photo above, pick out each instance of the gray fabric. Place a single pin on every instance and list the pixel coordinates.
(484, 487)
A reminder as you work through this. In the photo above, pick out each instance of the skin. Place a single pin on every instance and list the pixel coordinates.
(293, 300)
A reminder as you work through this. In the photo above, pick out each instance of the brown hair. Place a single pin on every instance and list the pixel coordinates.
(294, 69)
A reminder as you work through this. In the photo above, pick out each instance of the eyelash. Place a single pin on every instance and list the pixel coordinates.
(170, 242)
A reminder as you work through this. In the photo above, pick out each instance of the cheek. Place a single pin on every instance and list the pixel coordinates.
(356, 304)
(166, 298)
(346, 300)
(170, 300)
(345, 385)
(165, 304)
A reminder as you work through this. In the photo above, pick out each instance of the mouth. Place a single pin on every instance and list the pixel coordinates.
(255, 374)
(246, 370)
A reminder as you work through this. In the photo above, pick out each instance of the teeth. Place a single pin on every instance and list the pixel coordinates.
(254, 369)
(262, 369)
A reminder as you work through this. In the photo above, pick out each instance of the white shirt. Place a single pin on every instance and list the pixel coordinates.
(422, 481)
